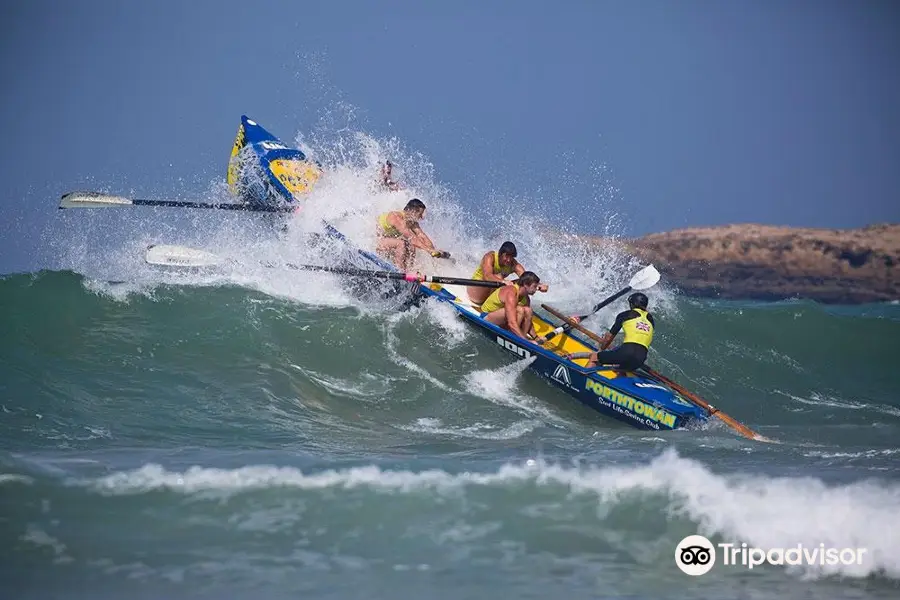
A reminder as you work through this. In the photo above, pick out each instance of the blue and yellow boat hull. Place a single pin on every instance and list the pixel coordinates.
(262, 169)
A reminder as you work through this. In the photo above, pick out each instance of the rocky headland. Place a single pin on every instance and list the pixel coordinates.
(761, 262)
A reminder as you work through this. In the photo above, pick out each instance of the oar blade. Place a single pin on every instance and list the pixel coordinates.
(164, 255)
(92, 200)
(645, 278)
(101, 200)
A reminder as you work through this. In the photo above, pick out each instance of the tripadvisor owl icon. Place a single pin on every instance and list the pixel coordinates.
(695, 555)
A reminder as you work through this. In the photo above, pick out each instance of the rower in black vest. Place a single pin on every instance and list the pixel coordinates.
(637, 324)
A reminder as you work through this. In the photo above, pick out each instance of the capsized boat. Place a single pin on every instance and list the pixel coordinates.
(264, 170)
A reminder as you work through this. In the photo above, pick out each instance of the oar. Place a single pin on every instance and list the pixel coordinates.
(712, 410)
(642, 280)
(101, 200)
(570, 324)
(182, 256)
(417, 277)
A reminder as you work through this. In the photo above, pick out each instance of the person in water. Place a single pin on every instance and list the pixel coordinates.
(399, 234)
(497, 266)
(510, 307)
(637, 324)
(385, 179)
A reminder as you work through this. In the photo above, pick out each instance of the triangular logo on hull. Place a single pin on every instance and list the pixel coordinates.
(561, 374)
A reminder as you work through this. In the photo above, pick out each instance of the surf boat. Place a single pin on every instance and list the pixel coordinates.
(628, 396)
(263, 171)
(267, 176)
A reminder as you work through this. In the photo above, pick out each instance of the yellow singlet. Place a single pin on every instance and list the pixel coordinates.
(500, 270)
(387, 230)
(494, 302)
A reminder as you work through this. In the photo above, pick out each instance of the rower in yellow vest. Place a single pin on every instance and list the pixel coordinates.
(510, 307)
(497, 266)
(637, 324)
(399, 234)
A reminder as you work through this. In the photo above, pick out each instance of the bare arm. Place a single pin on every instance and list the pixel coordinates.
(400, 225)
(542, 287)
(487, 267)
(413, 234)
(421, 240)
(510, 299)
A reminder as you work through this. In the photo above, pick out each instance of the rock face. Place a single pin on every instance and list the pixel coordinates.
(771, 263)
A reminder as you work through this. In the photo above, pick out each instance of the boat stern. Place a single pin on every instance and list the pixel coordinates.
(642, 401)
(262, 170)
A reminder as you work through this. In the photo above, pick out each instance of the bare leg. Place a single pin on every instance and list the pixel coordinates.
(394, 249)
(498, 318)
(409, 256)
(478, 294)
(524, 314)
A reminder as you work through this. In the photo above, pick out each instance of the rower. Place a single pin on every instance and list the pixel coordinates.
(399, 234)
(510, 307)
(497, 266)
(385, 179)
(637, 324)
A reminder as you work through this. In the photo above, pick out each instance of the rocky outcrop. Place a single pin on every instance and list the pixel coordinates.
(771, 263)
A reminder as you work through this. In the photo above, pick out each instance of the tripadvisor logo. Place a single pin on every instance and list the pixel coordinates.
(696, 555)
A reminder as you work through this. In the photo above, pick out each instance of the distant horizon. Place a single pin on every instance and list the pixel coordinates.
(759, 224)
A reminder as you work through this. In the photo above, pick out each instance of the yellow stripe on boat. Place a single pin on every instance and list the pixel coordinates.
(559, 345)
(298, 176)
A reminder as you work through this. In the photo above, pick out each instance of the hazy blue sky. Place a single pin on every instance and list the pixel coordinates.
(703, 112)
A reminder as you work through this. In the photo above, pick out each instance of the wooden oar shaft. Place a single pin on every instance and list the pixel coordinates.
(572, 323)
(713, 411)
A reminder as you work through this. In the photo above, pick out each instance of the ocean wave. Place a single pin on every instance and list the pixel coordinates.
(819, 399)
(762, 511)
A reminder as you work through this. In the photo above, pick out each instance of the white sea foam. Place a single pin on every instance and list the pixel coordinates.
(860, 454)
(484, 431)
(500, 386)
(6, 478)
(448, 321)
(759, 510)
(39, 537)
(110, 245)
(817, 399)
(393, 347)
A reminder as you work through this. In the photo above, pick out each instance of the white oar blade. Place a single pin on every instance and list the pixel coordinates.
(180, 256)
(92, 200)
(645, 278)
